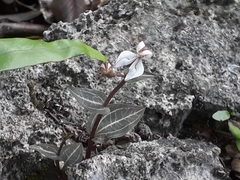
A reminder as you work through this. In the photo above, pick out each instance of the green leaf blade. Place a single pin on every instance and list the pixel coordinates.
(72, 154)
(146, 75)
(46, 150)
(221, 115)
(21, 52)
(234, 127)
(90, 99)
(118, 122)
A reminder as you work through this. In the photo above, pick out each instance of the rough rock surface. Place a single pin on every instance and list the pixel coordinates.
(169, 158)
(196, 53)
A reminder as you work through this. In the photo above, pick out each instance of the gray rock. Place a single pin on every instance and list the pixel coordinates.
(164, 159)
(196, 53)
(196, 62)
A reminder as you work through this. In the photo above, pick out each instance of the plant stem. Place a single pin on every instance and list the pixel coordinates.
(61, 173)
(98, 119)
(114, 91)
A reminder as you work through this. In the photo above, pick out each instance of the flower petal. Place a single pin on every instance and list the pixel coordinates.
(140, 46)
(135, 70)
(125, 58)
(146, 54)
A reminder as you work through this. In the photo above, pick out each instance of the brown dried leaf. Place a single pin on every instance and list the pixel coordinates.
(67, 11)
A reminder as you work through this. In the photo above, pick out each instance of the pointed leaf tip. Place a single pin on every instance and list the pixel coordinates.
(46, 150)
(146, 75)
(21, 52)
(234, 127)
(118, 122)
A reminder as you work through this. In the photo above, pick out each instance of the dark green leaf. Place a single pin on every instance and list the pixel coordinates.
(90, 99)
(21, 52)
(221, 115)
(46, 150)
(71, 154)
(146, 75)
(121, 119)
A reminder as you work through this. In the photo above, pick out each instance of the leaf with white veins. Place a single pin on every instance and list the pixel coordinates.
(72, 154)
(90, 99)
(118, 122)
(146, 75)
(46, 150)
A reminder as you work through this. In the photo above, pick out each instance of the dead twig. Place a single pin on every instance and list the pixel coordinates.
(21, 29)
(19, 17)
(26, 6)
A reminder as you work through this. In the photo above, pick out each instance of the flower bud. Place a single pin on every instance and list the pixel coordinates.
(107, 70)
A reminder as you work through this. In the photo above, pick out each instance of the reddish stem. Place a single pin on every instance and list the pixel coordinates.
(98, 119)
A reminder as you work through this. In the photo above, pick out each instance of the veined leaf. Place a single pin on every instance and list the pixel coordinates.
(72, 154)
(221, 115)
(146, 75)
(121, 119)
(21, 52)
(90, 99)
(46, 150)
(234, 127)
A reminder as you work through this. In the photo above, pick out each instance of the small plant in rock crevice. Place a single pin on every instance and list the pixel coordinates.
(107, 121)
(232, 149)
(234, 126)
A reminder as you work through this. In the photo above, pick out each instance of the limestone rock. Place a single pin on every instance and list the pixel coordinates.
(164, 159)
(196, 53)
(196, 63)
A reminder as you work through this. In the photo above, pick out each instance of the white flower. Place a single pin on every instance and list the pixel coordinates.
(127, 57)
